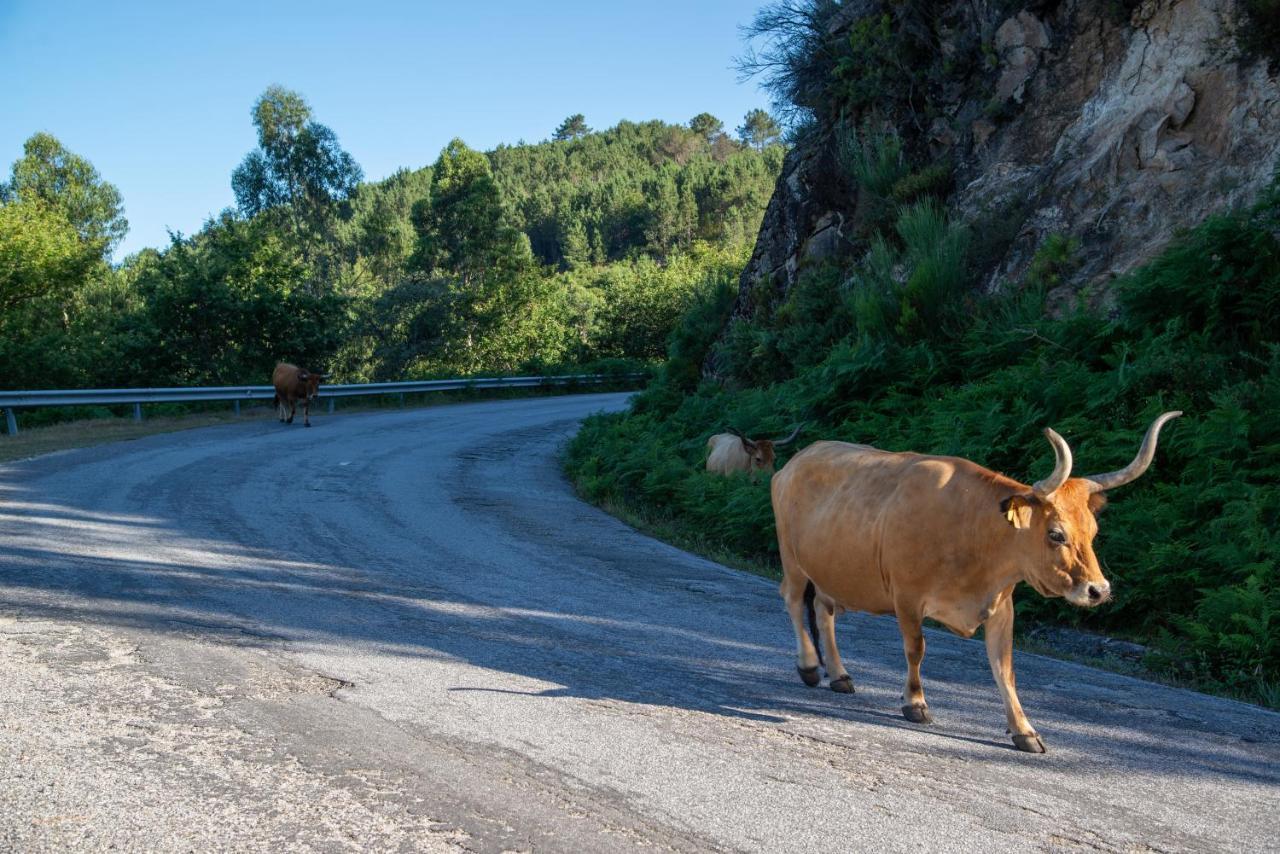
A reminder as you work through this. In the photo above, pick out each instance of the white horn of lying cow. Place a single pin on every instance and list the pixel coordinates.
(778, 443)
(1140, 464)
(1062, 469)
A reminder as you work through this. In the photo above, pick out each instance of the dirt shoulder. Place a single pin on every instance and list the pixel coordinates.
(109, 739)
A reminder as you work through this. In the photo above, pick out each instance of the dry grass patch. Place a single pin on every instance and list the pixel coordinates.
(34, 441)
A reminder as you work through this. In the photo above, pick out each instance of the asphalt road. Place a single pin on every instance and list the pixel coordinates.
(401, 631)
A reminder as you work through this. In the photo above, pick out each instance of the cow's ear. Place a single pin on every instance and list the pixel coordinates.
(1097, 501)
(1018, 508)
(748, 445)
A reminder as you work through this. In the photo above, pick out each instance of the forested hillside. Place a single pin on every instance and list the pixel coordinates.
(586, 247)
(973, 240)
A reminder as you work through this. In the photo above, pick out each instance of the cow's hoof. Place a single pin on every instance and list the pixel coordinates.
(842, 685)
(809, 675)
(308, 424)
(917, 713)
(288, 421)
(1029, 743)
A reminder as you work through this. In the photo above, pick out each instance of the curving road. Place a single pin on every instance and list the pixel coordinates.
(401, 631)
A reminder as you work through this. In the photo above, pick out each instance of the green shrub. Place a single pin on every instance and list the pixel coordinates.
(873, 158)
(932, 180)
(1055, 258)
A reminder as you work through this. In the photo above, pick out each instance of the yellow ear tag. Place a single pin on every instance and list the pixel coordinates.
(1019, 514)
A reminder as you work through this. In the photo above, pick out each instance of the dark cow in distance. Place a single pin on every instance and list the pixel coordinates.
(919, 536)
(295, 384)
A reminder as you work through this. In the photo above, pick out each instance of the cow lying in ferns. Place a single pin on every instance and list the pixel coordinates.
(731, 452)
(926, 536)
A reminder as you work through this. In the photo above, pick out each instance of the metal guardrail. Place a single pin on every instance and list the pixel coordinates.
(11, 400)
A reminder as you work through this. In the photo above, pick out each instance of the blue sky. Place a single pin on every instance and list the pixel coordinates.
(157, 95)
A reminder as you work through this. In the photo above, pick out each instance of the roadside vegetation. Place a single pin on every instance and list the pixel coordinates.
(551, 256)
(1191, 548)
(893, 345)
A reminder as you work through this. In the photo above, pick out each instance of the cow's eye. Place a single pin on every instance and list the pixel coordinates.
(1058, 536)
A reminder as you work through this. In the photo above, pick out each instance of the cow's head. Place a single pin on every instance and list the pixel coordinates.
(1059, 516)
(762, 452)
(309, 383)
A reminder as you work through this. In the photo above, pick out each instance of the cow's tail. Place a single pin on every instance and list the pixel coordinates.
(809, 593)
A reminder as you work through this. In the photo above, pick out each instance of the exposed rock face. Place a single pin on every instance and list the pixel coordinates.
(1122, 134)
(804, 222)
(1129, 135)
(1020, 43)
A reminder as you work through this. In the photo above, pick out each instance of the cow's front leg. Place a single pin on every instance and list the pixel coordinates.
(293, 410)
(999, 635)
(306, 412)
(914, 709)
(825, 615)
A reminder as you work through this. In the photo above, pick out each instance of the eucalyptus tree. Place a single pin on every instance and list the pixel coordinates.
(64, 182)
(59, 221)
(41, 253)
(298, 170)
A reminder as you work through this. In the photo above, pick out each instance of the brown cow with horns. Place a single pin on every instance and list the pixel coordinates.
(294, 384)
(926, 536)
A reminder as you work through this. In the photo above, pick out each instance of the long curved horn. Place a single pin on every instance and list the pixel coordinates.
(778, 443)
(746, 443)
(1140, 464)
(1061, 469)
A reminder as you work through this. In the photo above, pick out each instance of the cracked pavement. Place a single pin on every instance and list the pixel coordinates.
(401, 631)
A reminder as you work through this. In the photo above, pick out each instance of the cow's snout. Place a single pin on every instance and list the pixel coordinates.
(1086, 594)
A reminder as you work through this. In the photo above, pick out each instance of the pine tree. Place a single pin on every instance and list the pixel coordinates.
(759, 130)
(572, 128)
(706, 126)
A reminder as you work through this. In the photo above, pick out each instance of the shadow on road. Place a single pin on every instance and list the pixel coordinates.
(509, 573)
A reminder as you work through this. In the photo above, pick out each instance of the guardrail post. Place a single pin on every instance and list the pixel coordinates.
(401, 396)
(331, 405)
(235, 407)
(137, 412)
(11, 422)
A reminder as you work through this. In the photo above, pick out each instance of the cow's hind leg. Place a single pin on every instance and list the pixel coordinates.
(293, 410)
(793, 590)
(306, 412)
(914, 708)
(999, 634)
(825, 616)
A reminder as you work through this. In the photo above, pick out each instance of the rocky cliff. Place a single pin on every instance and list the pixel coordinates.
(1111, 126)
